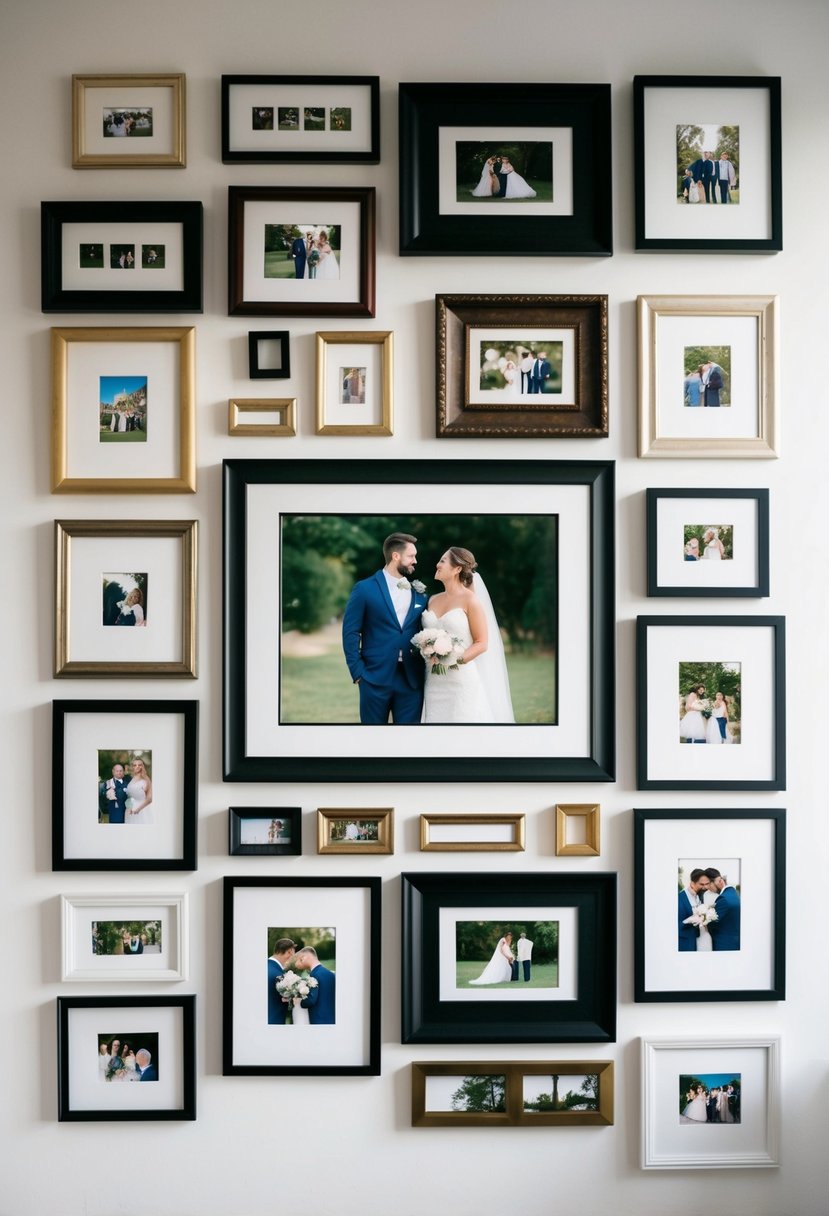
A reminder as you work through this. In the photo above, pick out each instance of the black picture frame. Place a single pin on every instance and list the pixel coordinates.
(238, 814)
(767, 235)
(757, 589)
(583, 109)
(647, 905)
(242, 478)
(57, 298)
(257, 372)
(186, 856)
(429, 1017)
(66, 1005)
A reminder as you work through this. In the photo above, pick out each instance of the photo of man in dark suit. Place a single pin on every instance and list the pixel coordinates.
(725, 930)
(112, 797)
(321, 1000)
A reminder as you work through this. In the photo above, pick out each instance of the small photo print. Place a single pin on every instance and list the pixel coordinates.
(287, 118)
(126, 937)
(261, 118)
(122, 257)
(521, 369)
(707, 377)
(128, 1057)
(265, 831)
(477, 1093)
(125, 786)
(123, 409)
(353, 831)
(314, 118)
(302, 251)
(709, 903)
(708, 542)
(153, 257)
(126, 123)
(91, 257)
(341, 118)
(302, 976)
(561, 1091)
(707, 164)
(353, 381)
(124, 599)
(513, 957)
(709, 702)
(712, 1097)
(504, 173)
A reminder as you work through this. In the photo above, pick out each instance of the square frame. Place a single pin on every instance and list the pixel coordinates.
(236, 816)
(585, 229)
(285, 407)
(169, 155)
(109, 971)
(588, 1018)
(757, 588)
(582, 319)
(592, 815)
(466, 842)
(283, 337)
(328, 816)
(383, 410)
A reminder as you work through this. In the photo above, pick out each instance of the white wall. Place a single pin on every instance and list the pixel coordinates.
(240, 1158)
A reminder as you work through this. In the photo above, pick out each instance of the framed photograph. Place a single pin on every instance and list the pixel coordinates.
(309, 1003)
(124, 938)
(124, 764)
(710, 862)
(355, 383)
(472, 833)
(297, 252)
(355, 830)
(262, 417)
(719, 681)
(528, 958)
(708, 377)
(121, 257)
(578, 829)
(269, 354)
(139, 575)
(719, 138)
(541, 1093)
(710, 1103)
(504, 169)
(295, 703)
(265, 831)
(135, 121)
(711, 543)
(300, 119)
(522, 365)
(118, 388)
(107, 1044)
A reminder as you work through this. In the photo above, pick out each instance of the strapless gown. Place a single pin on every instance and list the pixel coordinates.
(459, 696)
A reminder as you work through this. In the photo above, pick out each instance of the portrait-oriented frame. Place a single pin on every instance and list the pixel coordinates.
(77, 912)
(660, 104)
(581, 109)
(259, 748)
(283, 409)
(328, 816)
(377, 413)
(590, 1017)
(260, 371)
(750, 566)
(236, 819)
(472, 833)
(89, 148)
(591, 814)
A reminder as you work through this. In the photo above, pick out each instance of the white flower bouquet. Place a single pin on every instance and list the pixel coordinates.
(440, 649)
(291, 985)
(705, 914)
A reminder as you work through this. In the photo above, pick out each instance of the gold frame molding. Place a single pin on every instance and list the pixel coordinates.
(237, 407)
(514, 1072)
(591, 813)
(176, 158)
(382, 338)
(516, 845)
(385, 829)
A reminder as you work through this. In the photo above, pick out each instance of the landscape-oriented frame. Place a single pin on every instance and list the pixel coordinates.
(240, 408)
(115, 88)
(326, 816)
(175, 936)
(238, 814)
(513, 826)
(758, 589)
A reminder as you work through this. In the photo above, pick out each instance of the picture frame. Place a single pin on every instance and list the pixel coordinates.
(264, 495)
(355, 383)
(746, 955)
(264, 225)
(559, 137)
(121, 257)
(91, 369)
(741, 333)
(450, 917)
(519, 366)
(278, 416)
(678, 544)
(472, 833)
(586, 814)
(355, 830)
(265, 831)
(157, 926)
(95, 596)
(162, 1028)
(150, 105)
(341, 918)
(163, 735)
(514, 1095)
(749, 1141)
(277, 343)
(740, 660)
(277, 119)
(670, 140)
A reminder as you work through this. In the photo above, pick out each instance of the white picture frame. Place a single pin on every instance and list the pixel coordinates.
(169, 962)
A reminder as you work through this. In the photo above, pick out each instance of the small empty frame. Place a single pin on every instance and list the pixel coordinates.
(355, 830)
(472, 833)
(578, 828)
(261, 416)
(543, 1093)
(269, 354)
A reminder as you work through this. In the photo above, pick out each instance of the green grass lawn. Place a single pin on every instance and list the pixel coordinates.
(543, 194)
(279, 264)
(543, 975)
(107, 436)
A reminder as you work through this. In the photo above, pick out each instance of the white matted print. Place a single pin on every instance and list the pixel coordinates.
(719, 339)
(533, 365)
(355, 383)
(122, 257)
(528, 170)
(128, 120)
(707, 544)
(476, 948)
(286, 117)
(124, 938)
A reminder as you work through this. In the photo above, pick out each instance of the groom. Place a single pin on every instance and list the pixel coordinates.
(381, 617)
(689, 898)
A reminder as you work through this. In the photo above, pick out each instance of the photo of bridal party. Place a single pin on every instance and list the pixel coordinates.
(301, 968)
(519, 369)
(490, 954)
(128, 938)
(712, 1097)
(708, 164)
(125, 787)
(709, 906)
(122, 409)
(128, 1057)
(503, 173)
(710, 703)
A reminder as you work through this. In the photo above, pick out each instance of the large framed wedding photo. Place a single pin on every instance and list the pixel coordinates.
(301, 252)
(504, 169)
(121, 938)
(350, 555)
(708, 377)
(724, 871)
(132, 121)
(301, 977)
(497, 958)
(711, 702)
(522, 366)
(719, 139)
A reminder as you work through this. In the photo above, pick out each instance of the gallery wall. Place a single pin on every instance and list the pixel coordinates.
(345, 1146)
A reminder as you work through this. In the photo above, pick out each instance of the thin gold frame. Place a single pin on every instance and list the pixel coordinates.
(368, 338)
(62, 482)
(516, 845)
(185, 530)
(514, 1071)
(591, 812)
(763, 445)
(385, 829)
(237, 407)
(176, 158)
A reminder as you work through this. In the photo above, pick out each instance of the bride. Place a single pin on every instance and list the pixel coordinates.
(696, 1108)
(499, 968)
(139, 794)
(517, 186)
(477, 690)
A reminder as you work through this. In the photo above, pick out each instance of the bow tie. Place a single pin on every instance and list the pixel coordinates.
(404, 585)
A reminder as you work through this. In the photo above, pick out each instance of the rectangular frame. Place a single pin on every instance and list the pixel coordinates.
(184, 531)
(108, 971)
(577, 115)
(236, 816)
(280, 482)
(466, 842)
(78, 1008)
(763, 928)
(589, 1017)
(383, 404)
(182, 853)
(581, 318)
(592, 815)
(660, 104)
(285, 407)
(283, 337)
(326, 816)
(753, 321)
(756, 579)
(170, 154)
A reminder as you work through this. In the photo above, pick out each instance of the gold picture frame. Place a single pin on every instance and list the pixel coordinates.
(283, 407)
(335, 834)
(436, 833)
(163, 149)
(509, 1094)
(591, 845)
(370, 391)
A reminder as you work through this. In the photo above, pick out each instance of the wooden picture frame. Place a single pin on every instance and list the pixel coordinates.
(472, 833)
(591, 814)
(278, 415)
(162, 146)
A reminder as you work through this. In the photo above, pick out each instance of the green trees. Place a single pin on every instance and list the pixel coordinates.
(476, 939)
(481, 1093)
(585, 1097)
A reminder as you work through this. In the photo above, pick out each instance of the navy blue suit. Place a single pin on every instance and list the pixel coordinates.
(276, 1006)
(725, 930)
(117, 809)
(378, 653)
(299, 252)
(150, 1073)
(539, 373)
(702, 170)
(688, 934)
(320, 1002)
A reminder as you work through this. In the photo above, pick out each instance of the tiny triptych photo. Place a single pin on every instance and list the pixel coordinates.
(94, 255)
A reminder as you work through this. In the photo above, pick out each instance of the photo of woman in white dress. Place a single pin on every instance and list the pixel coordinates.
(499, 968)
(139, 794)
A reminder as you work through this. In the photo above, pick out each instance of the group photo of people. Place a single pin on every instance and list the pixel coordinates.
(302, 982)
(124, 599)
(708, 904)
(710, 703)
(713, 1097)
(128, 1057)
(706, 382)
(521, 369)
(125, 787)
(708, 164)
(303, 251)
(353, 831)
(487, 954)
(126, 937)
(504, 172)
(122, 409)
(120, 124)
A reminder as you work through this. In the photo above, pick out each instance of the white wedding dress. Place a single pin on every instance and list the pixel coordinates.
(497, 970)
(704, 940)
(328, 267)
(696, 1110)
(484, 186)
(518, 187)
(137, 793)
